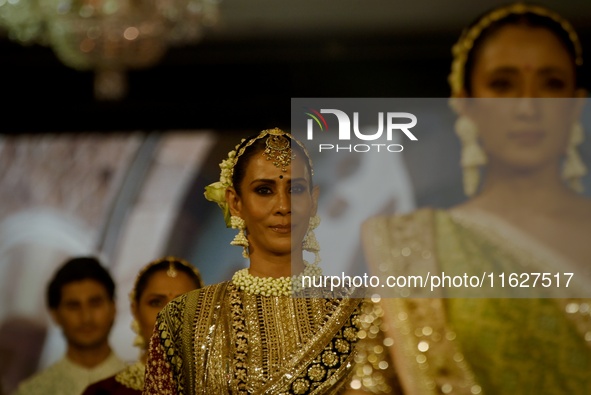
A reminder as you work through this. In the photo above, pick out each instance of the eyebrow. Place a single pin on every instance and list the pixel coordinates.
(152, 294)
(504, 70)
(551, 70)
(96, 298)
(513, 70)
(272, 181)
(78, 302)
(263, 180)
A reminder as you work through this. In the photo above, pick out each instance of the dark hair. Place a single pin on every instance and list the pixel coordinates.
(529, 19)
(78, 269)
(256, 147)
(164, 264)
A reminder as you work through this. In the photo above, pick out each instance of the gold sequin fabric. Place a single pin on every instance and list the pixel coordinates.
(220, 340)
(488, 345)
(374, 371)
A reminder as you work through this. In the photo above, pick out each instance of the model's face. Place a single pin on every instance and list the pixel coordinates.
(276, 205)
(160, 289)
(521, 61)
(85, 314)
(524, 82)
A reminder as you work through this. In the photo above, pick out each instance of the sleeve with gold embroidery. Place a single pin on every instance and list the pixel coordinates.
(159, 377)
(373, 371)
(164, 373)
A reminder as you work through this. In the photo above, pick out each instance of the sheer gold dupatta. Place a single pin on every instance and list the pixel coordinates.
(534, 256)
(424, 353)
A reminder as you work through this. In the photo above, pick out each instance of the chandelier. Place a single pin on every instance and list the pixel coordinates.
(108, 37)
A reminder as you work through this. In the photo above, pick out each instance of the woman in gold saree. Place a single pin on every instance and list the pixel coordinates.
(515, 81)
(249, 335)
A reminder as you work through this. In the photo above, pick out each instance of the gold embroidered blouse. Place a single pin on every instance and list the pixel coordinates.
(220, 340)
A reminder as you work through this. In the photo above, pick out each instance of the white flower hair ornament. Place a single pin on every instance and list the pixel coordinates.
(216, 192)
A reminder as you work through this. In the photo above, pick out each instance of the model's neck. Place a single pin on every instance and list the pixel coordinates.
(533, 191)
(89, 357)
(275, 266)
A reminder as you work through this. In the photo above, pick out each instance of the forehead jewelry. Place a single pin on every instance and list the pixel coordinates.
(278, 150)
(171, 272)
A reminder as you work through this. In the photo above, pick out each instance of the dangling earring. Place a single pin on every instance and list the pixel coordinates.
(310, 243)
(574, 169)
(472, 154)
(139, 340)
(240, 239)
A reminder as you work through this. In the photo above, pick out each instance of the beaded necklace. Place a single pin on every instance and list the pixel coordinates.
(132, 376)
(270, 286)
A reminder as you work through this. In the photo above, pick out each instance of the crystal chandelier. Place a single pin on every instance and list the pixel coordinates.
(108, 37)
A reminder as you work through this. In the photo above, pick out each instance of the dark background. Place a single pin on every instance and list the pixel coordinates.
(244, 71)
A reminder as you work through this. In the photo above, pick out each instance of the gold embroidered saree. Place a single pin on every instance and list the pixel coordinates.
(220, 340)
(490, 345)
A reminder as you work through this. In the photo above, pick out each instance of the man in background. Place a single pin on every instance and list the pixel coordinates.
(81, 301)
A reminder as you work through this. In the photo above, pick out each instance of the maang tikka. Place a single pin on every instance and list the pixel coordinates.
(278, 150)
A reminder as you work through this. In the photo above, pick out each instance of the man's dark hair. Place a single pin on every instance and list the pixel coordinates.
(78, 269)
